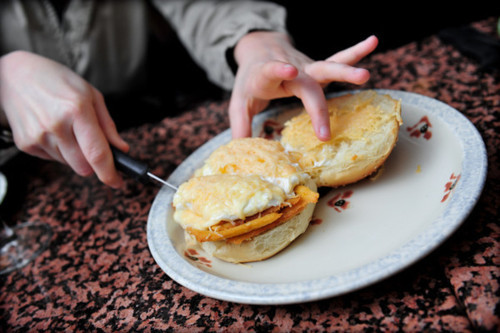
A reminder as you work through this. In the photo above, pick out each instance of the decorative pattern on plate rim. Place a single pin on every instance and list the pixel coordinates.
(421, 128)
(450, 185)
(193, 255)
(315, 221)
(340, 202)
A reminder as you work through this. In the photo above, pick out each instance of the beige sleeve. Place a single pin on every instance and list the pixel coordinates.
(210, 28)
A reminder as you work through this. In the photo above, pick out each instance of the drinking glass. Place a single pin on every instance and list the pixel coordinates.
(22, 243)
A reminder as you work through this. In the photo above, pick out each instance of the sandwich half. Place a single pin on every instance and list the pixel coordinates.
(247, 202)
(364, 129)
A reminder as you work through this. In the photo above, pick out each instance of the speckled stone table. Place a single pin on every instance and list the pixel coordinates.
(98, 274)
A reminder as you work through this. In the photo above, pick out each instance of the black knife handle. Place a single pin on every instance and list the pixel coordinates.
(128, 165)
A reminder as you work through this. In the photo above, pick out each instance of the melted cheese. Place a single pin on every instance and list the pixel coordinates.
(255, 156)
(205, 200)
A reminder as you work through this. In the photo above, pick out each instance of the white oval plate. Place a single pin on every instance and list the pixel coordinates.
(360, 234)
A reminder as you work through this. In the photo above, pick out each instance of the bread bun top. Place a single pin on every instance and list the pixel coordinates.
(206, 200)
(239, 179)
(364, 129)
(256, 156)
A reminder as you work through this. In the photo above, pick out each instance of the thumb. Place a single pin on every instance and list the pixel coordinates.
(268, 83)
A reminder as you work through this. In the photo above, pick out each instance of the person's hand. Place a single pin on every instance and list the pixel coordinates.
(55, 114)
(269, 67)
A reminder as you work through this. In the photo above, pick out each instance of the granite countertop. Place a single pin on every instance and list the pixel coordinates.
(99, 275)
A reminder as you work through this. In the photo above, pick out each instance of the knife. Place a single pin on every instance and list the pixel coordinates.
(134, 168)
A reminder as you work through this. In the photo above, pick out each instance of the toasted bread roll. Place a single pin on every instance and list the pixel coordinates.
(364, 128)
(265, 245)
(247, 202)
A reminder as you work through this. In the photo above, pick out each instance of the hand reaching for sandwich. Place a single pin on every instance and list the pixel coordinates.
(269, 67)
(55, 114)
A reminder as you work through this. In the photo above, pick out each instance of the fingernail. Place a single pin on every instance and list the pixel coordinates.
(324, 132)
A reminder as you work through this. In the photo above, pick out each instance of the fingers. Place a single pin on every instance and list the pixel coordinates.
(73, 157)
(277, 79)
(240, 119)
(43, 154)
(339, 67)
(314, 101)
(267, 82)
(354, 54)
(252, 91)
(317, 109)
(94, 132)
(276, 71)
(301, 77)
(81, 140)
(84, 143)
(325, 72)
(94, 145)
(50, 138)
(336, 68)
(242, 108)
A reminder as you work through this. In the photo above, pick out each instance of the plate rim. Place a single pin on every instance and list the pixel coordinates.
(349, 281)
